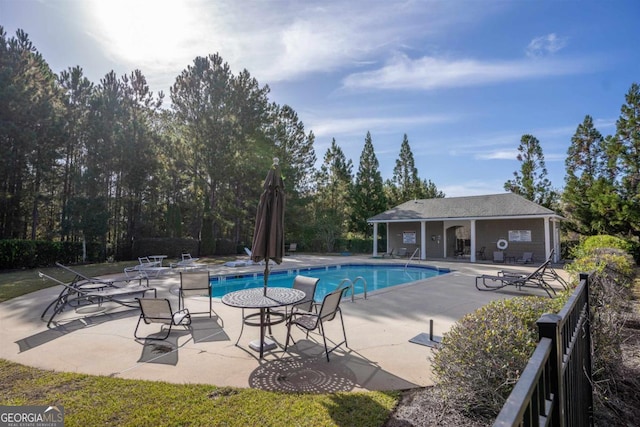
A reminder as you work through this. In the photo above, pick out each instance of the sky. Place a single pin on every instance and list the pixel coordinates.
(464, 80)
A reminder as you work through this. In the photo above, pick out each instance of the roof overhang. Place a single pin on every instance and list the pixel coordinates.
(553, 217)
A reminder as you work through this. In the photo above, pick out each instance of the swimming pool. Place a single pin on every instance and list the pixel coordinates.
(377, 277)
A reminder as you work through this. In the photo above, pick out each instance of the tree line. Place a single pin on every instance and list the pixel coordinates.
(107, 163)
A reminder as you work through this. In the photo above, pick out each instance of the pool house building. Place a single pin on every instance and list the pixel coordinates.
(471, 227)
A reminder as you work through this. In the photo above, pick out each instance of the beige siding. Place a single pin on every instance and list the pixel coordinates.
(490, 231)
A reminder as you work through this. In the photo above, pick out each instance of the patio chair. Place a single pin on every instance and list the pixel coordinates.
(401, 253)
(310, 321)
(80, 293)
(307, 285)
(481, 253)
(158, 310)
(536, 278)
(388, 254)
(498, 256)
(195, 284)
(293, 247)
(527, 257)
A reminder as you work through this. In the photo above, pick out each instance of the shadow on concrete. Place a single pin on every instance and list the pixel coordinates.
(164, 352)
(207, 330)
(309, 372)
(62, 329)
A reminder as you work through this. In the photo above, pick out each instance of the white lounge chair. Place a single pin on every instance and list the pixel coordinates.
(188, 262)
(248, 252)
(146, 268)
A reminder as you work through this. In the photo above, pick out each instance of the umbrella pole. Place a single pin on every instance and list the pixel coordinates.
(266, 275)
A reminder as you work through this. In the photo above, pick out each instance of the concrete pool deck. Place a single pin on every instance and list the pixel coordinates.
(379, 355)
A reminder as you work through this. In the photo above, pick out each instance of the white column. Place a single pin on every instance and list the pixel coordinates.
(547, 243)
(556, 242)
(375, 239)
(423, 240)
(472, 256)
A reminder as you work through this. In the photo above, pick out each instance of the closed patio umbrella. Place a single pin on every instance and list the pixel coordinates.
(268, 235)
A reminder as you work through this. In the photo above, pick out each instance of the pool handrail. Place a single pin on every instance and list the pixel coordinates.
(411, 258)
(352, 286)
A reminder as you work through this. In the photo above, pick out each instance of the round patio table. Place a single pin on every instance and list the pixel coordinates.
(257, 298)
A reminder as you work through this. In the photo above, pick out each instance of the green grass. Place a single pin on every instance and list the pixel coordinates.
(21, 282)
(95, 400)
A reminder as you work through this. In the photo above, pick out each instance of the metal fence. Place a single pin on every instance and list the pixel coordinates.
(555, 388)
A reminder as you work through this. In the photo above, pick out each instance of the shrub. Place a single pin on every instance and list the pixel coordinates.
(483, 355)
(16, 254)
(596, 243)
(612, 273)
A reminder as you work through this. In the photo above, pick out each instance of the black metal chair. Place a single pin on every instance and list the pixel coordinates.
(158, 310)
(305, 284)
(310, 321)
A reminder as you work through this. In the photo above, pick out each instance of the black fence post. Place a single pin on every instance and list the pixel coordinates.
(549, 327)
(588, 347)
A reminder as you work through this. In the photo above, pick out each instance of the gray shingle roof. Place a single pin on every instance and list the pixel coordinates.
(489, 206)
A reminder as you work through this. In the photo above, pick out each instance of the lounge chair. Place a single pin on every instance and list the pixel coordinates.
(111, 280)
(146, 268)
(248, 252)
(188, 262)
(310, 321)
(158, 310)
(487, 282)
(527, 257)
(549, 273)
(88, 292)
(238, 263)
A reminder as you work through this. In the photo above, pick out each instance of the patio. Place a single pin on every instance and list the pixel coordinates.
(379, 356)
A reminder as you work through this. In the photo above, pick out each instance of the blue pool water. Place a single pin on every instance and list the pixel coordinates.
(377, 277)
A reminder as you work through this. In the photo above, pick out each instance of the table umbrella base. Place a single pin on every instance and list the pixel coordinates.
(269, 344)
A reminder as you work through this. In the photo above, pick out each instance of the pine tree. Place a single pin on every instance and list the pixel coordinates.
(531, 181)
(332, 196)
(405, 184)
(368, 197)
(584, 164)
(628, 137)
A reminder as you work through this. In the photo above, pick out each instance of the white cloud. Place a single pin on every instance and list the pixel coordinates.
(275, 41)
(545, 45)
(498, 155)
(428, 73)
(473, 188)
(332, 127)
